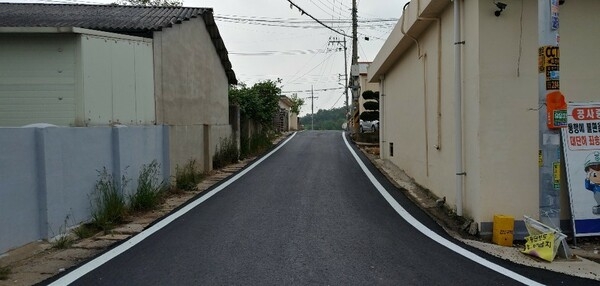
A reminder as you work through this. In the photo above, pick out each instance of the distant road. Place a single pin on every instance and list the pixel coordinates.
(306, 215)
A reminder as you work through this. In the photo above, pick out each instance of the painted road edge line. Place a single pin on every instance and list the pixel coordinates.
(98, 261)
(431, 234)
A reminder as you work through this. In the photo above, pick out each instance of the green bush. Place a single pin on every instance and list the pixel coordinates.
(188, 177)
(228, 153)
(256, 144)
(109, 206)
(149, 191)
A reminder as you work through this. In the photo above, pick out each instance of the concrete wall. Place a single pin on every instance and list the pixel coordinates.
(500, 92)
(47, 179)
(191, 92)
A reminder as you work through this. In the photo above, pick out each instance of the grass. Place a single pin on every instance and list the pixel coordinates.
(188, 177)
(226, 154)
(63, 242)
(4, 272)
(256, 144)
(85, 231)
(109, 206)
(149, 193)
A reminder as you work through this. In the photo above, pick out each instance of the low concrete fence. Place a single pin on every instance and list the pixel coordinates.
(47, 175)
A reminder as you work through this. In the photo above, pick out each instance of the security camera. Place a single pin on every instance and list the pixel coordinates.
(501, 6)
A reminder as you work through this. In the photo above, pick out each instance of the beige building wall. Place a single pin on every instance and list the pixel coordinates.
(500, 91)
(191, 90)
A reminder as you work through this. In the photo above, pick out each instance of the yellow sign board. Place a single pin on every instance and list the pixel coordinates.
(540, 245)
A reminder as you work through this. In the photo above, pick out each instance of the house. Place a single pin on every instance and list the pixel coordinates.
(98, 65)
(364, 84)
(285, 119)
(499, 122)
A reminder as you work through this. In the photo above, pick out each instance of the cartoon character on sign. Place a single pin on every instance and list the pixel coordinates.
(592, 180)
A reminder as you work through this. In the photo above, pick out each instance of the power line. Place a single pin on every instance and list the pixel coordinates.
(317, 20)
(322, 89)
(280, 53)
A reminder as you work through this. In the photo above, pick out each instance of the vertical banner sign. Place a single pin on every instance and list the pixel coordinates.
(581, 143)
(554, 15)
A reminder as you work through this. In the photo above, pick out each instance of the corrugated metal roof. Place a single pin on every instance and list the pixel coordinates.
(112, 18)
(99, 17)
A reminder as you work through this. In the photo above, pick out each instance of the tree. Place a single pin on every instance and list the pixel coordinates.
(163, 3)
(296, 103)
(331, 119)
(259, 102)
(371, 106)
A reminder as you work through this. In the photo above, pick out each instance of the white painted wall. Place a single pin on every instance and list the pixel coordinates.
(118, 84)
(499, 101)
(37, 79)
(75, 77)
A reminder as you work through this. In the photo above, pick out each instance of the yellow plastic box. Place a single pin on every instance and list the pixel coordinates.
(503, 230)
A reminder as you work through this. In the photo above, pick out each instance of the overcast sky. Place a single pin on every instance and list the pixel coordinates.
(268, 40)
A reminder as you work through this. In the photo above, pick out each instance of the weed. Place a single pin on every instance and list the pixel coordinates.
(63, 240)
(85, 231)
(188, 177)
(109, 206)
(4, 272)
(149, 191)
(228, 153)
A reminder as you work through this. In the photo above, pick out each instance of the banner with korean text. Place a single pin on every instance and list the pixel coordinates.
(581, 145)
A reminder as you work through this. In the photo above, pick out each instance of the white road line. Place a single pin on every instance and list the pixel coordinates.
(98, 261)
(429, 233)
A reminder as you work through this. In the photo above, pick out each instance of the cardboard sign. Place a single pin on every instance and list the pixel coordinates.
(540, 245)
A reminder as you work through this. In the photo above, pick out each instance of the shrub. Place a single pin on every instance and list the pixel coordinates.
(149, 191)
(109, 206)
(226, 154)
(256, 144)
(188, 177)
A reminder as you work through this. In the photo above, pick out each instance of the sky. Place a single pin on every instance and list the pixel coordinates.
(267, 40)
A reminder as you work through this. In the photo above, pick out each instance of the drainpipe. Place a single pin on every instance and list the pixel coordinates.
(381, 117)
(458, 108)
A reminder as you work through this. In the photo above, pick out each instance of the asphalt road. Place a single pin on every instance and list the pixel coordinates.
(306, 215)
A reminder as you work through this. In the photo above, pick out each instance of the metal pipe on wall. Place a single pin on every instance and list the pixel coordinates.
(458, 108)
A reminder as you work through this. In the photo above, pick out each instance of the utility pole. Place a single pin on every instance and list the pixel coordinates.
(549, 139)
(312, 108)
(355, 72)
(339, 42)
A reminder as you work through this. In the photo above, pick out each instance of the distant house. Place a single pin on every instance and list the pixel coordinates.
(285, 119)
(94, 65)
(500, 87)
(364, 84)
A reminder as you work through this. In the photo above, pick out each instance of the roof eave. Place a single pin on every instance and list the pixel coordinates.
(400, 39)
(215, 37)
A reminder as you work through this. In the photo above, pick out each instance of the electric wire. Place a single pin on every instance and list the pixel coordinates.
(317, 20)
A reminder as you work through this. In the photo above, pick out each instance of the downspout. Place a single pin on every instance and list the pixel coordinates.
(458, 109)
(382, 116)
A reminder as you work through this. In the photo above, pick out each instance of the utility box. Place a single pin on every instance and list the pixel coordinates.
(503, 230)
